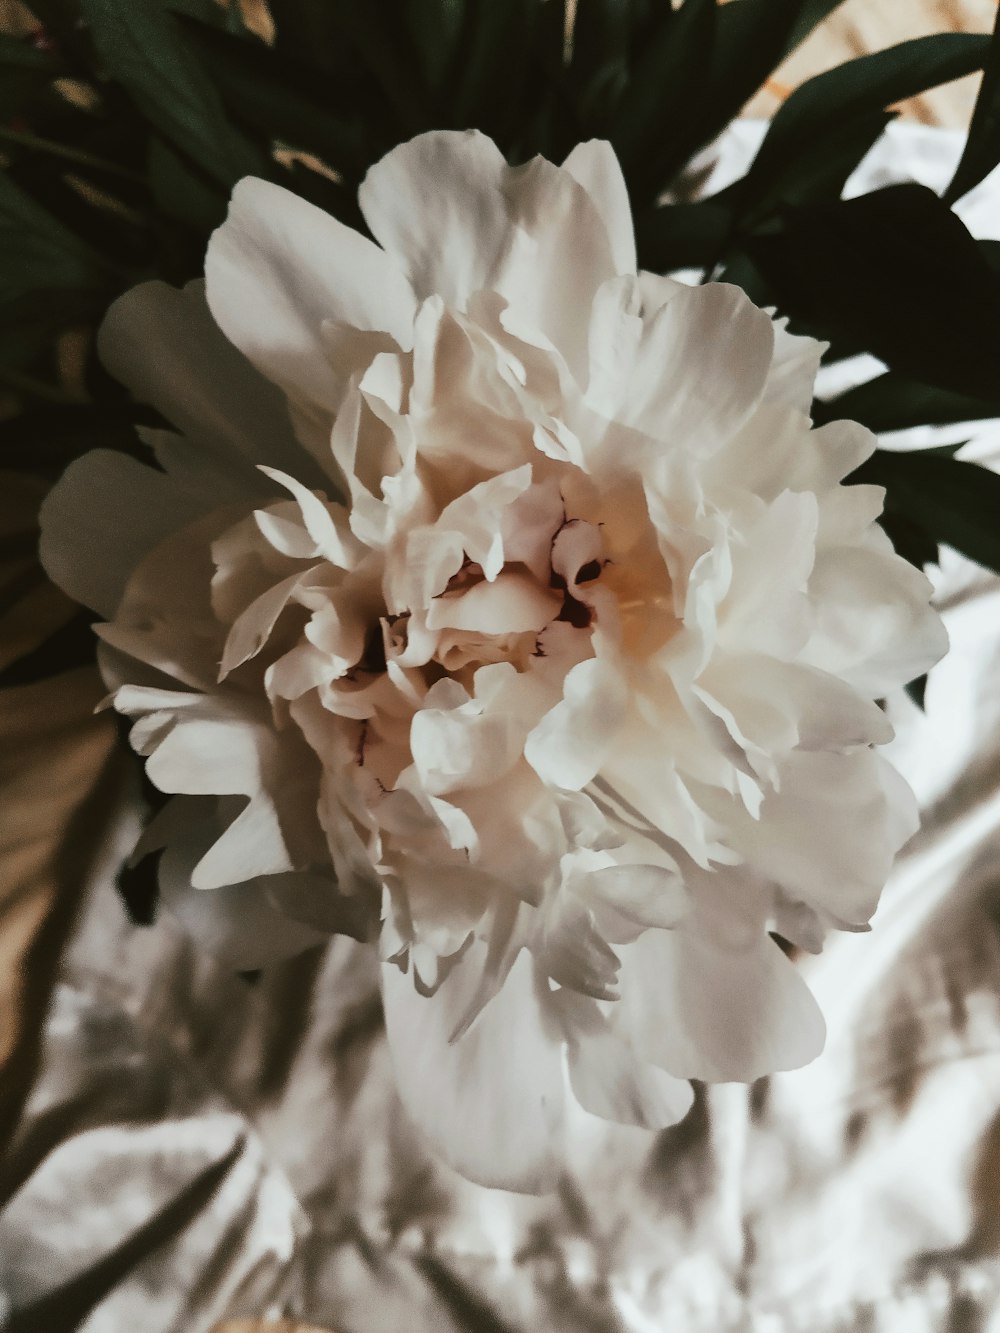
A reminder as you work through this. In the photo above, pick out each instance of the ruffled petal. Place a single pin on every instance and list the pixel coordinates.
(279, 268)
(701, 368)
(102, 518)
(166, 348)
(716, 999)
(595, 166)
(462, 220)
(491, 1102)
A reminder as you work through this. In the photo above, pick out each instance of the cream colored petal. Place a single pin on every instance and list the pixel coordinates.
(279, 268)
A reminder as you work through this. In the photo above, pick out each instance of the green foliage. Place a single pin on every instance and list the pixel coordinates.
(177, 99)
(948, 500)
(982, 149)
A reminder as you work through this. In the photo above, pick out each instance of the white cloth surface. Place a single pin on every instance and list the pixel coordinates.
(197, 1146)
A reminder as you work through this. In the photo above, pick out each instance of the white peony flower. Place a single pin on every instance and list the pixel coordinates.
(497, 604)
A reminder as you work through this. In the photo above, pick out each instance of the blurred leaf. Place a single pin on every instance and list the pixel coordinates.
(182, 193)
(682, 235)
(892, 402)
(752, 38)
(665, 92)
(281, 99)
(917, 690)
(896, 272)
(953, 502)
(982, 147)
(821, 110)
(386, 53)
(19, 139)
(435, 27)
(58, 778)
(140, 47)
(811, 15)
(37, 252)
(18, 54)
(490, 68)
(812, 177)
(600, 57)
(31, 321)
(45, 439)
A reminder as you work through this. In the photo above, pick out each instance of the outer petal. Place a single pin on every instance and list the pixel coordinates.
(165, 347)
(491, 1102)
(829, 836)
(716, 999)
(102, 518)
(461, 220)
(875, 626)
(279, 268)
(610, 1080)
(701, 368)
(436, 203)
(597, 169)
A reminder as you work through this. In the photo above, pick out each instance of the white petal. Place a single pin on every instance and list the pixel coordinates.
(512, 604)
(608, 1078)
(436, 204)
(491, 1102)
(531, 233)
(702, 368)
(829, 836)
(596, 167)
(102, 518)
(716, 1001)
(875, 626)
(279, 268)
(571, 742)
(165, 347)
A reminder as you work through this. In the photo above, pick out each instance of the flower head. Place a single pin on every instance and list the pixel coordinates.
(498, 604)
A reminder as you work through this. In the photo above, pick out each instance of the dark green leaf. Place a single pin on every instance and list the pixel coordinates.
(752, 38)
(953, 502)
(811, 15)
(490, 69)
(31, 321)
(675, 56)
(682, 235)
(20, 139)
(36, 251)
(982, 148)
(45, 439)
(822, 107)
(387, 56)
(896, 272)
(917, 690)
(15, 53)
(812, 177)
(666, 92)
(182, 193)
(600, 56)
(279, 97)
(892, 402)
(140, 47)
(435, 27)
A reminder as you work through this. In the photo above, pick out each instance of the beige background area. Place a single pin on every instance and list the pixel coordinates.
(859, 26)
(56, 754)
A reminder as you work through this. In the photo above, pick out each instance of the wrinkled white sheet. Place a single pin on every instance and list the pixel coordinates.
(198, 1147)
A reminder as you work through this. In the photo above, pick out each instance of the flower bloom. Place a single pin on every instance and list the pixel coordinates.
(497, 604)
